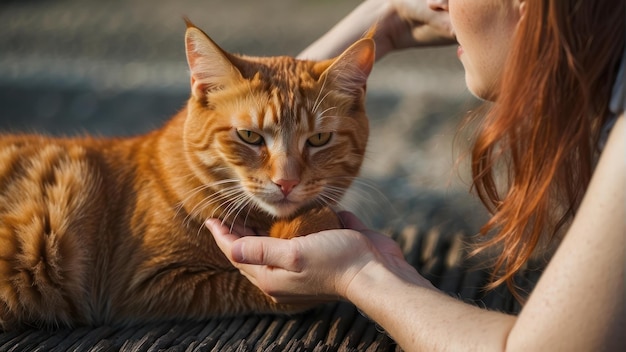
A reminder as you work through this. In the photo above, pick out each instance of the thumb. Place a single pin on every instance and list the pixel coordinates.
(257, 250)
(270, 251)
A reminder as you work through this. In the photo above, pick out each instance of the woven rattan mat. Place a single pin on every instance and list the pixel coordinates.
(332, 327)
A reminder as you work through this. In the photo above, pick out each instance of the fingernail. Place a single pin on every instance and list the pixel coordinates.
(210, 223)
(237, 252)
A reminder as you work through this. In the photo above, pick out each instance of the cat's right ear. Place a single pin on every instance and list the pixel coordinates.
(349, 71)
(209, 65)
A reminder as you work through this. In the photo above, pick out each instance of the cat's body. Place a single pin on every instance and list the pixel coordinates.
(96, 231)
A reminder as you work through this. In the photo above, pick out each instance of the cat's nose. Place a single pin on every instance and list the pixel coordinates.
(286, 186)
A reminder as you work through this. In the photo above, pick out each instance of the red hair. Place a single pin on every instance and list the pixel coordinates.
(539, 140)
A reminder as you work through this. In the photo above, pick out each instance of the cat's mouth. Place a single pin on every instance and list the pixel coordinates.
(283, 206)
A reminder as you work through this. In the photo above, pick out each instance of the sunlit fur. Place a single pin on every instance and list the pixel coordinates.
(100, 231)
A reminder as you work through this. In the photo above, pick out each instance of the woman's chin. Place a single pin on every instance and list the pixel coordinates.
(480, 90)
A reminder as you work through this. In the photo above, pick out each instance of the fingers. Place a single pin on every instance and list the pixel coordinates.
(258, 250)
(243, 231)
(274, 252)
(223, 237)
(350, 221)
(438, 5)
(429, 21)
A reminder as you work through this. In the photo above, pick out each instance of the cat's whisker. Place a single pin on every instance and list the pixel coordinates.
(201, 205)
(233, 194)
(198, 189)
(215, 199)
(321, 101)
(322, 116)
(233, 204)
(364, 196)
(319, 93)
(245, 219)
(213, 212)
(359, 182)
(221, 194)
(336, 191)
(187, 195)
(321, 199)
(236, 199)
(243, 204)
(224, 197)
(199, 230)
(329, 198)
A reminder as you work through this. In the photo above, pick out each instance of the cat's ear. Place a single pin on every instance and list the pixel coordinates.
(349, 71)
(210, 66)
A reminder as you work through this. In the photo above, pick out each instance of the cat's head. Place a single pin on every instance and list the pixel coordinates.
(275, 133)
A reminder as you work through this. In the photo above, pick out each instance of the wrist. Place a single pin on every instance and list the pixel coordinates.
(375, 275)
(372, 275)
(347, 31)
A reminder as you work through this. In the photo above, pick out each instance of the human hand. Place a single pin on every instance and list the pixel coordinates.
(400, 24)
(415, 23)
(317, 267)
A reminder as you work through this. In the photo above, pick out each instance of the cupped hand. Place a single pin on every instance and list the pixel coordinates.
(314, 268)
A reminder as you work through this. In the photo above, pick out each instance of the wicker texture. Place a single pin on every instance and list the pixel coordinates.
(332, 327)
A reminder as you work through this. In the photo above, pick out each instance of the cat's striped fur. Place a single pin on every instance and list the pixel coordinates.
(101, 231)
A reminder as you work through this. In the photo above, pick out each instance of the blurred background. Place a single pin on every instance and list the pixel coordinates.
(115, 68)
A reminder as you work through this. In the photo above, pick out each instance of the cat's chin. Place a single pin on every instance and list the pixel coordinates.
(281, 210)
(285, 211)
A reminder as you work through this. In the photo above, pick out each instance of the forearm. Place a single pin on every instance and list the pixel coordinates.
(420, 317)
(347, 31)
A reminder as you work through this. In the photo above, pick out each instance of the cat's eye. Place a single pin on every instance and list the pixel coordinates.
(319, 139)
(250, 137)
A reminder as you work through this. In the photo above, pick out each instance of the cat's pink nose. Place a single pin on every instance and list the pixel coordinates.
(286, 186)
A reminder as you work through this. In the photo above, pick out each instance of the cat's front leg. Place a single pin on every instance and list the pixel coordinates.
(182, 291)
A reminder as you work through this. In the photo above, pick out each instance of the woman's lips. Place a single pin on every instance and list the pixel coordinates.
(459, 51)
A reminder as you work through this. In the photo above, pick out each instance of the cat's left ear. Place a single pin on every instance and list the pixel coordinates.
(350, 70)
(210, 66)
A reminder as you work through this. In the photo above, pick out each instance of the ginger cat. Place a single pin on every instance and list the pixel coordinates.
(110, 231)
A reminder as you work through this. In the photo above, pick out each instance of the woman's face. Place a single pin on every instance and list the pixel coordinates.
(484, 30)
